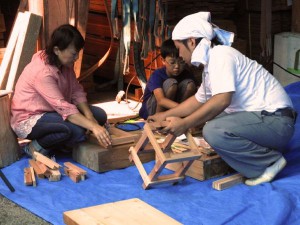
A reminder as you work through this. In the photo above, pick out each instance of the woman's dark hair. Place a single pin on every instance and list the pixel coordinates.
(62, 37)
(168, 48)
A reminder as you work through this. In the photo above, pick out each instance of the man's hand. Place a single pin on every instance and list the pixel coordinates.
(157, 117)
(176, 126)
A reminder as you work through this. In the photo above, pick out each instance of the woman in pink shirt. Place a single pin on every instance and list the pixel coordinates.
(49, 106)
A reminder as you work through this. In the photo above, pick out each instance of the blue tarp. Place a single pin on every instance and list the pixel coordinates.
(191, 202)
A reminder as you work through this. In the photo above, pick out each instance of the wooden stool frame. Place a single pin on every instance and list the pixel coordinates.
(164, 156)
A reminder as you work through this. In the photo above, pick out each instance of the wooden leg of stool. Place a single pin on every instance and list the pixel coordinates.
(11, 188)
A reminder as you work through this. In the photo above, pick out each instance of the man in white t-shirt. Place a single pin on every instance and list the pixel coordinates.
(248, 116)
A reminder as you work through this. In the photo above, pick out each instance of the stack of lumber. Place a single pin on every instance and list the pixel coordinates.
(42, 167)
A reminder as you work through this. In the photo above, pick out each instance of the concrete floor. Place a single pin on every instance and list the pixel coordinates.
(12, 214)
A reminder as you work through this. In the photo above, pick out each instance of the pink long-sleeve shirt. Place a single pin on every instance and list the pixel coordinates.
(44, 88)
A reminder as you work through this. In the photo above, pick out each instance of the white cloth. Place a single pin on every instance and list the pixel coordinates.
(196, 25)
(255, 89)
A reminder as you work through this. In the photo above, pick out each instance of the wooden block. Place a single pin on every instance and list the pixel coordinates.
(27, 176)
(74, 175)
(100, 159)
(55, 175)
(206, 167)
(44, 169)
(73, 169)
(228, 182)
(132, 211)
(45, 160)
(36, 168)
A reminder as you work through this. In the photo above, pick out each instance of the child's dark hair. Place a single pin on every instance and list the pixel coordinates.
(168, 48)
(62, 37)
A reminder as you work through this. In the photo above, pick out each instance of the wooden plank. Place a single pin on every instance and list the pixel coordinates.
(9, 52)
(45, 160)
(119, 137)
(132, 211)
(228, 182)
(25, 47)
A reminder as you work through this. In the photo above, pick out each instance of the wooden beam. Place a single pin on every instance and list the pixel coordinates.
(25, 46)
(9, 52)
(295, 16)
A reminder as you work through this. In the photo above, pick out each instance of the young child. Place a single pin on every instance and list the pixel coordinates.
(168, 85)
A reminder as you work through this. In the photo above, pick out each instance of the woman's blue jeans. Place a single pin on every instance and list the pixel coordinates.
(51, 131)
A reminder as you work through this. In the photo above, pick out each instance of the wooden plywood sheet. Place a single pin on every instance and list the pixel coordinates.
(133, 211)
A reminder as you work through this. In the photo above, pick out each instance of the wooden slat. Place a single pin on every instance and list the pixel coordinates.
(228, 182)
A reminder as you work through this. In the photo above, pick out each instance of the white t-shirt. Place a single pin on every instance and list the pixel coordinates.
(255, 89)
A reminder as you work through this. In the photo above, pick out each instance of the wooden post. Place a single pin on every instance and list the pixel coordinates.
(295, 16)
(8, 141)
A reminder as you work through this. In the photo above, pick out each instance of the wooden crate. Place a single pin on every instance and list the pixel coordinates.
(132, 211)
(208, 166)
(100, 159)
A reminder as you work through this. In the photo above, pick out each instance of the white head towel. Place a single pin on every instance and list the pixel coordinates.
(198, 25)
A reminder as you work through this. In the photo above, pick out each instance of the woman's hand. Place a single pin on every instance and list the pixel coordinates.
(102, 135)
